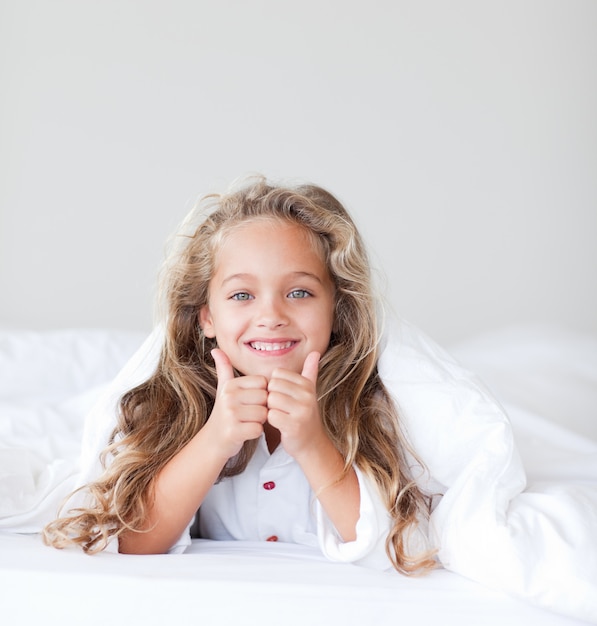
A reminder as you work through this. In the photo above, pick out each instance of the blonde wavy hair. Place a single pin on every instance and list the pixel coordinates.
(160, 416)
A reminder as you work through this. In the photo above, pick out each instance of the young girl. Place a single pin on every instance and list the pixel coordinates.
(266, 418)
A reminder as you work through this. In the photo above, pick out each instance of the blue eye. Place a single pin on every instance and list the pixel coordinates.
(242, 296)
(299, 293)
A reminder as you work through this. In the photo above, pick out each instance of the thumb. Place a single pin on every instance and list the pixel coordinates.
(311, 367)
(224, 370)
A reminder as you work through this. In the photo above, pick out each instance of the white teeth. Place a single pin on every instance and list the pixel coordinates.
(270, 347)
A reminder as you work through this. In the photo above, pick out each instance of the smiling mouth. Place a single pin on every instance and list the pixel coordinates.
(267, 346)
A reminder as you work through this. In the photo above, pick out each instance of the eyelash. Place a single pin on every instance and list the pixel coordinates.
(243, 296)
(304, 292)
(237, 297)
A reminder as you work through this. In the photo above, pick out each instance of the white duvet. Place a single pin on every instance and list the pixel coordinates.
(519, 510)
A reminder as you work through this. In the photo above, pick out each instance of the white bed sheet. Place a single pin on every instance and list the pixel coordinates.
(239, 583)
(49, 381)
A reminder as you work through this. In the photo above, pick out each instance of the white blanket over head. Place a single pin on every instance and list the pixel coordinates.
(537, 540)
(525, 528)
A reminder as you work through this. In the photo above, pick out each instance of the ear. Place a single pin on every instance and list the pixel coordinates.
(206, 322)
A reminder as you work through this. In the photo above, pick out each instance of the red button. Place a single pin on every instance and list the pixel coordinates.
(269, 485)
(272, 538)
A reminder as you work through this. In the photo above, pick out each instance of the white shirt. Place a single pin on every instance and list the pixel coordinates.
(271, 500)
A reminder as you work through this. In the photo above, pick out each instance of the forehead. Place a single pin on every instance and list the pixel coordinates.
(269, 237)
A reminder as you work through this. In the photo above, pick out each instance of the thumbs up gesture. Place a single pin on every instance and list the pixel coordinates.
(240, 409)
(244, 403)
(292, 406)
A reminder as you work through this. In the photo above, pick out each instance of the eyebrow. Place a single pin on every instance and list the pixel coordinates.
(297, 274)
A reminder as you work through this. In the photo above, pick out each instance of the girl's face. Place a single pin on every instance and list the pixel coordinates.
(271, 299)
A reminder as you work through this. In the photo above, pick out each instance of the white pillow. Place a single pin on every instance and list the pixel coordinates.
(547, 370)
(48, 382)
(52, 365)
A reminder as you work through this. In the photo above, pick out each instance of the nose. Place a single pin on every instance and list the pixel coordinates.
(272, 314)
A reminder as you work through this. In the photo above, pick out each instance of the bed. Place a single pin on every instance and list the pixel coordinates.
(517, 521)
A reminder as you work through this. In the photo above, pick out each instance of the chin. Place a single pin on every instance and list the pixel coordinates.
(267, 370)
(264, 366)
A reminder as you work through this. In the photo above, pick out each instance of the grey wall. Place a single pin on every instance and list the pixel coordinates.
(462, 135)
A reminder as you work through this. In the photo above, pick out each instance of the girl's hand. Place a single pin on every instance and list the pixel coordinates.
(293, 410)
(240, 409)
(292, 407)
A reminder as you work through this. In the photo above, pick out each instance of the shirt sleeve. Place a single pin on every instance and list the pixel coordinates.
(373, 527)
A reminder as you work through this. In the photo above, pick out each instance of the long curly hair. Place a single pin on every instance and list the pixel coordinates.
(160, 416)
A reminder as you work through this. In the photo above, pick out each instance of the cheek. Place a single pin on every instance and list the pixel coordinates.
(323, 327)
(227, 326)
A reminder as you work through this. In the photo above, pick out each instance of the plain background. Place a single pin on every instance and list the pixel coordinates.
(461, 135)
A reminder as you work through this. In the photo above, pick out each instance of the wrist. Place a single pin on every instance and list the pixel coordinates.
(322, 464)
(211, 450)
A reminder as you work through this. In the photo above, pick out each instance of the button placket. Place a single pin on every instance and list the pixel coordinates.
(270, 496)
